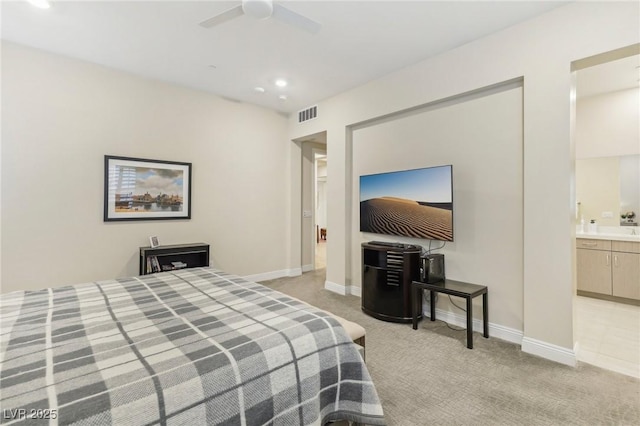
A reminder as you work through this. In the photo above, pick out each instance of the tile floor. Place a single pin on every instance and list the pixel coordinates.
(608, 335)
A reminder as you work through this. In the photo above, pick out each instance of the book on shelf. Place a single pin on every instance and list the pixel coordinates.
(155, 265)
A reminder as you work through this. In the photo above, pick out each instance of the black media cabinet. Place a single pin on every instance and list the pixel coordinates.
(387, 272)
(168, 258)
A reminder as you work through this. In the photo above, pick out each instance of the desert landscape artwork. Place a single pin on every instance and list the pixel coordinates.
(413, 203)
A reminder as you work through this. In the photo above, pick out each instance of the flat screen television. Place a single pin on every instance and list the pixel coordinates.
(414, 203)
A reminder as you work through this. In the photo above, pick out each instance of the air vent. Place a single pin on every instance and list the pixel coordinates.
(308, 114)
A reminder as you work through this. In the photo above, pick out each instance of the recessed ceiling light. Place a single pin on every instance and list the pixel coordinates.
(282, 97)
(259, 89)
(42, 4)
(281, 82)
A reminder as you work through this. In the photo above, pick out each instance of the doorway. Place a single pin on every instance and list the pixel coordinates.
(314, 197)
(605, 133)
(320, 255)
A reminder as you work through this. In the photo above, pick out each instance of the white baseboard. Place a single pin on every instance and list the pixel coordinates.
(501, 332)
(307, 268)
(495, 330)
(295, 272)
(343, 289)
(265, 276)
(335, 287)
(528, 345)
(549, 351)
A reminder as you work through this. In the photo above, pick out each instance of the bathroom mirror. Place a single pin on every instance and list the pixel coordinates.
(608, 190)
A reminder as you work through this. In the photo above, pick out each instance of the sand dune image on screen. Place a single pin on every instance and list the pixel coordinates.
(397, 216)
(413, 203)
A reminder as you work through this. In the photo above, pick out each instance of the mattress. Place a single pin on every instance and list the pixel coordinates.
(194, 346)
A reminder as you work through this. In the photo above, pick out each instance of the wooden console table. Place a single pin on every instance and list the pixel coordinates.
(455, 288)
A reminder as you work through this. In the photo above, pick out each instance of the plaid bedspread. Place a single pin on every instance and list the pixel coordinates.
(196, 346)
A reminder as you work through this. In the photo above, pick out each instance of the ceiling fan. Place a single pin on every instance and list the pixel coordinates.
(263, 9)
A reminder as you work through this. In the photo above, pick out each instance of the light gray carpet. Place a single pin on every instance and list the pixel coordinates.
(429, 377)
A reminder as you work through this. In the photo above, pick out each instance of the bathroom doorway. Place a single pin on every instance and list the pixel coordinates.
(605, 133)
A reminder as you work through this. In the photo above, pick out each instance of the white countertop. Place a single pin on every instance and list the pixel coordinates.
(623, 234)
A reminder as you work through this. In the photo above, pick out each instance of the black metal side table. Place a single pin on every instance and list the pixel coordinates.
(454, 288)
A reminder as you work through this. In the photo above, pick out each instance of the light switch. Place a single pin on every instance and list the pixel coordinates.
(607, 214)
(306, 213)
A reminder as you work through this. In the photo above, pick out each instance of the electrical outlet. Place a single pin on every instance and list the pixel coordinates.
(306, 213)
(607, 214)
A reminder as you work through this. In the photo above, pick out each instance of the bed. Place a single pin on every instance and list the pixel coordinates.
(195, 346)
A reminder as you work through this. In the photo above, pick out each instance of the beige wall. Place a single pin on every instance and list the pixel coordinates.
(608, 125)
(481, 137)
(61, 116)
(598, 189)
(541, 52)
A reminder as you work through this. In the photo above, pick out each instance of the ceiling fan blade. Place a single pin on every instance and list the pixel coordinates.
(290, 17)
(223, 17)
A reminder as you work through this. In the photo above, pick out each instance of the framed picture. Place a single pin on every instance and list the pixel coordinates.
(141, 189)
(154, 242)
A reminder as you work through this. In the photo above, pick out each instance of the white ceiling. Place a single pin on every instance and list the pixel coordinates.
(359, 41)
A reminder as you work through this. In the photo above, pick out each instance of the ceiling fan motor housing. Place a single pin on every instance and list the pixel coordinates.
(259, 9)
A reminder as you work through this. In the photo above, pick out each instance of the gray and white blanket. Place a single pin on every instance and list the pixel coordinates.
(196, 346)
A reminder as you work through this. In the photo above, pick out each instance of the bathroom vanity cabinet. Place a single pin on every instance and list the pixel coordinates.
(608, 268)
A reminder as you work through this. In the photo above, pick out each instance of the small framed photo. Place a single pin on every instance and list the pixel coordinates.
(154, 242)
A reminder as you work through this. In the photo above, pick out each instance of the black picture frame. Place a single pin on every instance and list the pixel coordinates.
(144, 189)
